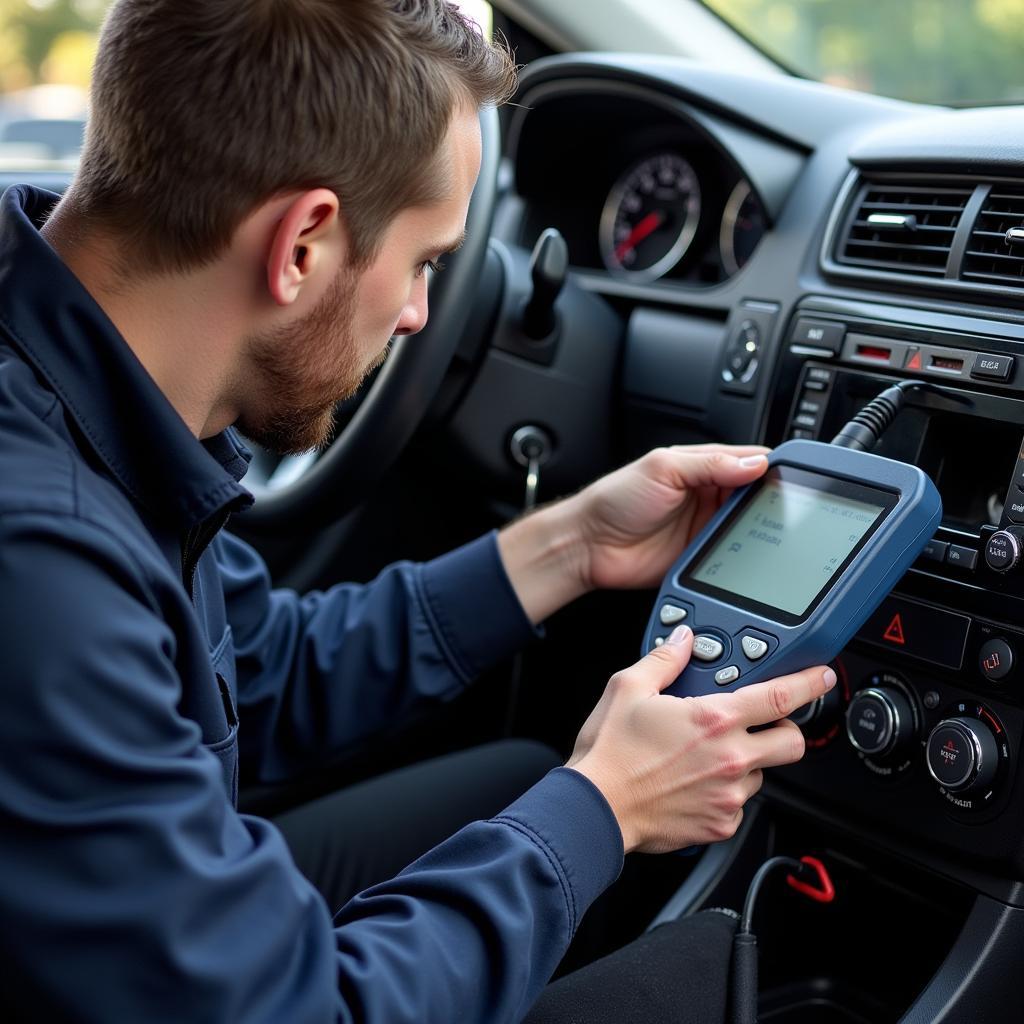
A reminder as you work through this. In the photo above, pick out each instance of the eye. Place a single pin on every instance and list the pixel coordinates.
(435, 265)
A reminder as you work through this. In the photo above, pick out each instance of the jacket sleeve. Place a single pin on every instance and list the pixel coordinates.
(318, 672)
(131, 890)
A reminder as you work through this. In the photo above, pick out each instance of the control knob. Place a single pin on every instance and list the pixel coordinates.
(1004, 549)
(962, 755)
(880, 721)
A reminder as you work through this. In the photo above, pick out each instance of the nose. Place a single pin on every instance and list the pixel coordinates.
(414, 313)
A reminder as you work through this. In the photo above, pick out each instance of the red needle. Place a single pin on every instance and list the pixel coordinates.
(639, 233)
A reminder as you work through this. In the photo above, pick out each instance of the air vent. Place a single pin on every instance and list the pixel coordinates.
(903, 228)
(993, 257)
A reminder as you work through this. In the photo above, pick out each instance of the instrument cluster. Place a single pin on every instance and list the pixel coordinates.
(640, 196)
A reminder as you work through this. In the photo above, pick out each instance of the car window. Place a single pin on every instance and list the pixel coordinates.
(47, 48)
(959, 52)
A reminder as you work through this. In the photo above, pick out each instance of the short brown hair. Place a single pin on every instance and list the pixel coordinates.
(203, 109)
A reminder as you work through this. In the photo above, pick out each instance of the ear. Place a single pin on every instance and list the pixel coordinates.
(300, 243)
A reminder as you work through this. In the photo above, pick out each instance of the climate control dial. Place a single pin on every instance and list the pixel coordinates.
(968, 754)
(880, 722)
(962, 755)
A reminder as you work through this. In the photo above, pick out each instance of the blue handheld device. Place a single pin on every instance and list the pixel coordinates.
(793, 564)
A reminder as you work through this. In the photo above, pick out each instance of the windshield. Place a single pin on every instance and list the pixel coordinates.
(958, 52)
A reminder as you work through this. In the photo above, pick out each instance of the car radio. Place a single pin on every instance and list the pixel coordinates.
(925, 728)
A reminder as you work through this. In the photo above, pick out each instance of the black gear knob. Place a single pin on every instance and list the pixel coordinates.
(549, 266)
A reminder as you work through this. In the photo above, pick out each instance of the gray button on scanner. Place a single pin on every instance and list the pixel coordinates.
(754, 648)
(707, 648)
(727, 675)
(671, 614)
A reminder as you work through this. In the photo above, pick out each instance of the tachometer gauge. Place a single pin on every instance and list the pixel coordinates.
(743, 225)
(650, 217)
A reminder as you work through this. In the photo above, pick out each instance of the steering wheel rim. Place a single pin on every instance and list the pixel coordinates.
(399, 397)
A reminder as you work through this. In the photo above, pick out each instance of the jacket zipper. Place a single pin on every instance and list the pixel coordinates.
(196, 541)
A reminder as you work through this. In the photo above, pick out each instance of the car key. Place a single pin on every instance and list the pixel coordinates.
(531, 447)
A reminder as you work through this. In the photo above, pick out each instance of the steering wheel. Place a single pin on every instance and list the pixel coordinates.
(323, 489)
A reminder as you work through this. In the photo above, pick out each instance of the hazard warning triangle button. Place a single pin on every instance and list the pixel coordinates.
(920, 630)
(894, 631)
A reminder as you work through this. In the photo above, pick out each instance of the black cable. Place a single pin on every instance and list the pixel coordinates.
(763, 872)
(743, 979)
(864, 430)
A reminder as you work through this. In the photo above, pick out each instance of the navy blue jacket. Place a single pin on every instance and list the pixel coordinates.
(145, 654)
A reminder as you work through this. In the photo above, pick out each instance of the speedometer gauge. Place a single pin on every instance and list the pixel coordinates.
(650, 217)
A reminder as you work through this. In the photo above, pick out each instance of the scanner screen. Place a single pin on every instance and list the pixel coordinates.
(787, 544)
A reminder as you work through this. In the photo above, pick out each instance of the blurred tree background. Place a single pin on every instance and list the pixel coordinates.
(47, 41)
(939, 51)
(53, 42)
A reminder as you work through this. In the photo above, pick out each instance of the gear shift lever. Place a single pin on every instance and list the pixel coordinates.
(549, 265)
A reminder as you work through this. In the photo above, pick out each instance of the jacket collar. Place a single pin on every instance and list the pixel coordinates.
(120, 412)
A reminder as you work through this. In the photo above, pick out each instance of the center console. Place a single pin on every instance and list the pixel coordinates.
(923, 734)
(910, 786)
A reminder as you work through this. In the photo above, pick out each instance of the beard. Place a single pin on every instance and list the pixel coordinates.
(304, 370)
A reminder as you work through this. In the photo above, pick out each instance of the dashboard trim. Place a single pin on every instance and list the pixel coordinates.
(668, 294)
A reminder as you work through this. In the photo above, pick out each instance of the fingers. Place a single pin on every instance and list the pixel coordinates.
(761, 703)
(662, 666)
(752, 784)
(782, 743)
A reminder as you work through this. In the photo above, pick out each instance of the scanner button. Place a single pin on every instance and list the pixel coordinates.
(727, 675)
(707, 648)
(670, 614)
(754, 648)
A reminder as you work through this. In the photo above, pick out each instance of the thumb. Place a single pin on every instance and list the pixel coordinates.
(661, 667)
(720, 469)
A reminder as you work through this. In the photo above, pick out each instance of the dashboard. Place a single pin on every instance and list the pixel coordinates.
(778, 256)
(753, 260)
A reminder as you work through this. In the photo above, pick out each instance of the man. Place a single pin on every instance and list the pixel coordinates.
(262, 187)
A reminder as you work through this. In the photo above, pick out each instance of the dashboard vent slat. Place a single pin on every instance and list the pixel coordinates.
(921, 249)
(989, 259)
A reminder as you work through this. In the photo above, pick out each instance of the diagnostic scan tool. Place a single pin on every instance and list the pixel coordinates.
(793, 564)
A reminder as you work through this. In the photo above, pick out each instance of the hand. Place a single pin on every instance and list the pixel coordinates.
(635, 522)
(677, 771)
(624, 530)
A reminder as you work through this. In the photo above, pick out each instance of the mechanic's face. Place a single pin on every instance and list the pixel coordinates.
(308, 366)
